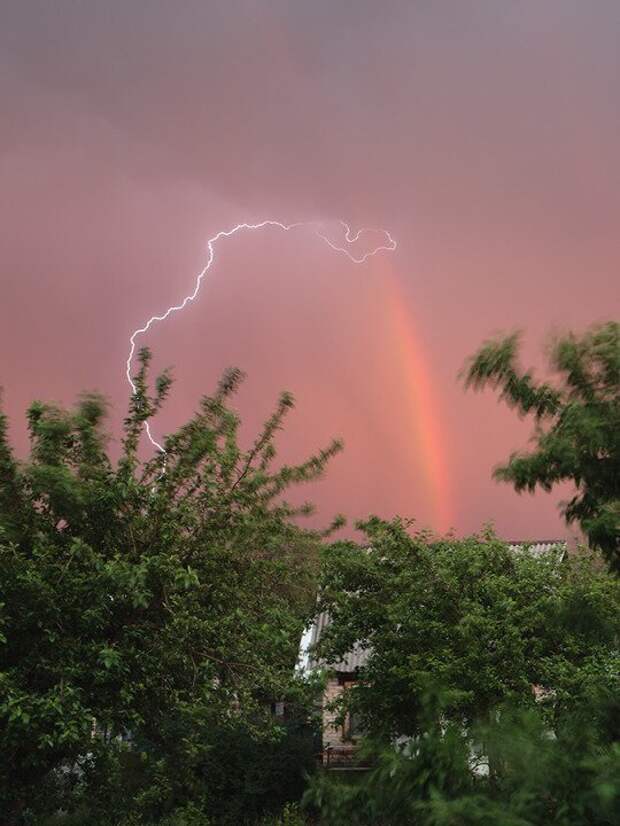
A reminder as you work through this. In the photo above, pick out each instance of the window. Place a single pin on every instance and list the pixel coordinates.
(352, 729)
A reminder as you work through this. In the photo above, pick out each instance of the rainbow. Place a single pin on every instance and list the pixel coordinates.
(425, 449)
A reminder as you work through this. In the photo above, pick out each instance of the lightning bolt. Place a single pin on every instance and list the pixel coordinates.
(389, 245)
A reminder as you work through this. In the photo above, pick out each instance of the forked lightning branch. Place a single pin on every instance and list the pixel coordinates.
(388, 245)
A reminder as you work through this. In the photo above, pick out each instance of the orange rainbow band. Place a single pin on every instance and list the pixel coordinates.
(424, 442)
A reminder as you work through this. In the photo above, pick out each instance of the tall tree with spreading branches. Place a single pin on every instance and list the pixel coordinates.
(576, 434)
(149, 609)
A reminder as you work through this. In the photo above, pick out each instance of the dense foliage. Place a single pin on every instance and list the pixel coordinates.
(577, 425)
(458, 634)
(150, 612)
(483, 622)
(567, 776)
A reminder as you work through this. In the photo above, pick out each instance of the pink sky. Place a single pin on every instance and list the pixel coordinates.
(484, 135)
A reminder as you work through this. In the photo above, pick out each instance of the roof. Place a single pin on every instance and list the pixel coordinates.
(351, 661)
(359, 655)
(541, 547)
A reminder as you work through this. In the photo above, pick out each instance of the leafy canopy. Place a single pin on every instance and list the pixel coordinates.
(576, 434)
(470, 617)
(457, 634)
(160, 601)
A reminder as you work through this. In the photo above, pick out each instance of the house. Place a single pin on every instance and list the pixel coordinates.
(340, 738)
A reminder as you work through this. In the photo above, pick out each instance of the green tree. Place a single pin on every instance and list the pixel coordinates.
(457, 634)
(577, 425)
(150, 610)
(473, 618)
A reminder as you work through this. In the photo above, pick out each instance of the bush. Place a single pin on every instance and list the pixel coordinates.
(513, 771)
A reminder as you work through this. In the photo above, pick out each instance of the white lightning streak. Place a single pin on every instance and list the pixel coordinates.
(389, 245)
